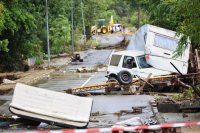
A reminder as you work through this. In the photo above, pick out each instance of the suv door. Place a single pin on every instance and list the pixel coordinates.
(130, 64)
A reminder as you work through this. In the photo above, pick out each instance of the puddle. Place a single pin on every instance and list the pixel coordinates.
(61, 80)
(115, 103)
(108, 106)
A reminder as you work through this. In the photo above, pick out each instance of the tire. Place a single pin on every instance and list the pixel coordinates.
(104, 30)
(124, 77)
(77, 57)
(110, 87)
(112, 79)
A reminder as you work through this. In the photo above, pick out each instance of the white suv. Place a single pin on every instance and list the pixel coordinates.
(126, 65)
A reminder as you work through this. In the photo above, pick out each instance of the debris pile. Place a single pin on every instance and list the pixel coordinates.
(76, 57)
(97, 68)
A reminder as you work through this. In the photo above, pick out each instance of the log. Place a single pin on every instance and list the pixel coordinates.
(197, 57)
(145, 83)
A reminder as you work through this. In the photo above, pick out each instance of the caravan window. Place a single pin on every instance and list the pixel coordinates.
(165, 42)
(115, 60)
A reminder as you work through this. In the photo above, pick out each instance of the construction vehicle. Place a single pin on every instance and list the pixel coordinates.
(102, 27)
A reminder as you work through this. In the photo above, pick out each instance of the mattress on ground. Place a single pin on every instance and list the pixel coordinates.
(49, 106)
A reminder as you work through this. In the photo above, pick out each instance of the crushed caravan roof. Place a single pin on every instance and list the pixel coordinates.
(160, 30)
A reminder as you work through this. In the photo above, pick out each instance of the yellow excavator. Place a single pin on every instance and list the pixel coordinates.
(102, 26)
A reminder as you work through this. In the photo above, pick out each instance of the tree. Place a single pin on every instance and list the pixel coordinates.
(3, 43)
(189, 23)
(16, 34)
(182, 16)
(162, 13)
(60, 34)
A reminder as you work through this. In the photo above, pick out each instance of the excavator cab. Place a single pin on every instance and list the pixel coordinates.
(102, 28)
(102, 22)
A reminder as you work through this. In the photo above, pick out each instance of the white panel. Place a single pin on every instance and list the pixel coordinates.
(52, 104)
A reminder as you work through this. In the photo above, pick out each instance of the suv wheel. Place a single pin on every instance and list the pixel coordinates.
(124, 77)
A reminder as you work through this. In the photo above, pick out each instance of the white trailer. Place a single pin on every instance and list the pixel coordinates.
(159, 46)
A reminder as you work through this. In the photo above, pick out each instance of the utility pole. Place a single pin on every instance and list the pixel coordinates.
(83, 20)
(96, 33)
(139, 9)
(47, 30)
(72, 26)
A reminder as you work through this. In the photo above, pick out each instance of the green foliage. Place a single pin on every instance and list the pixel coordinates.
(95, 9)
(122, 8)
(178, 15)
(60, 34)
(189, 23)
(16, 39)
(162, 13)
(187, 94)
(38, 61)
(1, 16)
(92, 44)
(3, 45)
(144, 18)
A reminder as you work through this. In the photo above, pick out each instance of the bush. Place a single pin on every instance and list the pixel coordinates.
(38, 61)
(26, 67)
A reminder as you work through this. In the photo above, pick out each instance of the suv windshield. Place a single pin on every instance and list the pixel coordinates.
(142, 62)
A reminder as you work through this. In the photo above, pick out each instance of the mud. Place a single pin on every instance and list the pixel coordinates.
(107, 109)
(91, 58)
(2, 102)
(58, 81)
(111, 39)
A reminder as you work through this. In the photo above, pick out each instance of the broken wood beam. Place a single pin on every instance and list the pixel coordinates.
(145, 83)
(197, 58)
(183, 84)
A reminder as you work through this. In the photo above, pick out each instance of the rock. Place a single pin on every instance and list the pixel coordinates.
(135, 121)
(7, 81)
(85, 70)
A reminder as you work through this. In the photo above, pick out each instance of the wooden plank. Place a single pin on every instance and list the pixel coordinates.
(197, 57)
(145, 84)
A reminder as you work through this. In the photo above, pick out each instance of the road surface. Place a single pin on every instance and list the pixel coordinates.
(106, 106)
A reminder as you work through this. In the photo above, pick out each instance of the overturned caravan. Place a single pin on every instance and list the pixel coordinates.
(159, 45)
(150, 51)
(51, 107)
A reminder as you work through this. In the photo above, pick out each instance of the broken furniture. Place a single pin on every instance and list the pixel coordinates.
(76, 57)
(51, 107)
